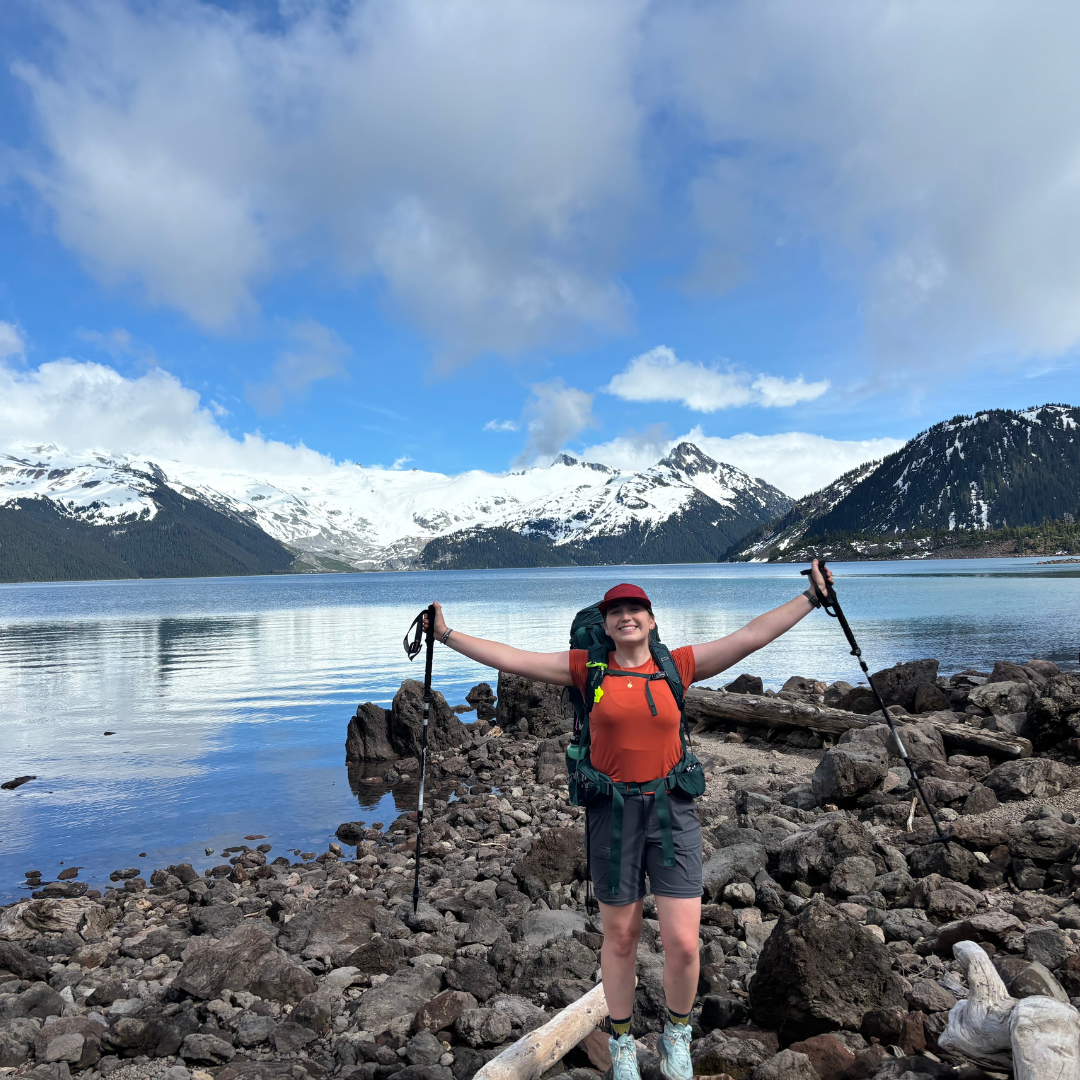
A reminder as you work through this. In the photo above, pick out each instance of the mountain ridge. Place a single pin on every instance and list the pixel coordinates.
(686, 507)
(984, 473)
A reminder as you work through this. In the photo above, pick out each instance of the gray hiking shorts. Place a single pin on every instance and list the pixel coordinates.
(642, 852)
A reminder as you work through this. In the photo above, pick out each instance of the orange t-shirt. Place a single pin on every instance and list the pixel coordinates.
(627, 742)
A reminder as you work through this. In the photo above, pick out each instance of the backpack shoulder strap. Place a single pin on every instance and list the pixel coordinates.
(596, 667)
(662, 655)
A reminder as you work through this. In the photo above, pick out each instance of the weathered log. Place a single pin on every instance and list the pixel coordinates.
(1043, 1034)
(708, 708)
(533, 1054)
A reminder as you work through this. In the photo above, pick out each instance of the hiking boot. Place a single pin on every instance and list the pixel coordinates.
(624, 1058)
(674, 1050)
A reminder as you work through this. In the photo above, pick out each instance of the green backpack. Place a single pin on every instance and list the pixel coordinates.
(587, 783)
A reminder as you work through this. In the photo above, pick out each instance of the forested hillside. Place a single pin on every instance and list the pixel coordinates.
(185, 539)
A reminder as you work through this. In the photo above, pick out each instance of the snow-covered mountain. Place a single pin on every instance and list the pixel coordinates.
(1000, 468)
(349, 517)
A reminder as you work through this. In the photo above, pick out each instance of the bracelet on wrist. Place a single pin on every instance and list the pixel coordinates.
(446, 637)
(812, 597)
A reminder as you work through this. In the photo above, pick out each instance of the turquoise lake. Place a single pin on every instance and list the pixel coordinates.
(229, 697)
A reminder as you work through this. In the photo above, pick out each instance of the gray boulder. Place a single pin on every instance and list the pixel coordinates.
(550, 760)
(717, 1054)
(556, 857)
(1055, 713)
(854, 874)
(25, 965)
(206, 1050)
(244, 960)
(821, 970)
(924, 745)
(745, 684)
(1048, 945)
(542, 709)
(738, 862)
(254, 1030)
(17, 1036)
(368, 735)
(980, 800)
(1002, 698)
(486, 928)
(899, 684)
(787, 1065)
(849, 770)
(81, 1046)
(483, 1027)
(1035, 980)
(541, 927)
(950, 860)
(859, 699)
(315, 1011)
(895, 886)
(445, 729)
(482, 698)
(39, 1001)
(404, 992)
(1040, 778)
(1046, 840)
(815, 852)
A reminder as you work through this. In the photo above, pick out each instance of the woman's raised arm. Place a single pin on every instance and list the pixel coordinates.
(552, 667)
(712, 657)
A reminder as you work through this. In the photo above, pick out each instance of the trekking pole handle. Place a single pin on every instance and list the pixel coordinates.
(829, 599)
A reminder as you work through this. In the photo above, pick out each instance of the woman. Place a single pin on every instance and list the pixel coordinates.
(633, 743)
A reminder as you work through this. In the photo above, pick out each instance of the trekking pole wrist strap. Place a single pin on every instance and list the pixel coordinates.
(812, 596)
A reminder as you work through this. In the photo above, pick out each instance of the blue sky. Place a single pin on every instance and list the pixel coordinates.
(460, 235)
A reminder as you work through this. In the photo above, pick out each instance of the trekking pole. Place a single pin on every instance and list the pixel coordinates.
(831, 606)
(412, 648)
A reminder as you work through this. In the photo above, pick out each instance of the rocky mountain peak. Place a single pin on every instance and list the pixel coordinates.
(689, 460)
(575, 463)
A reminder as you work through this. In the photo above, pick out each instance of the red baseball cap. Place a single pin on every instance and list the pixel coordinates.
(624, 592)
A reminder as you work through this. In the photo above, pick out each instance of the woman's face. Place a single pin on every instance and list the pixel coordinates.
(628, 622)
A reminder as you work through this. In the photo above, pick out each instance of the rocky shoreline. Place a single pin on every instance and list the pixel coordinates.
(827, 927)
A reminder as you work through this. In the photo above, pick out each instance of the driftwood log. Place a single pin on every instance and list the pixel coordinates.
(709, 708)
(533, 1054)
(1039, 1037)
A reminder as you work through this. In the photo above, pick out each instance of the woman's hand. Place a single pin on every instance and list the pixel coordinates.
(440, 622)
(819, 582)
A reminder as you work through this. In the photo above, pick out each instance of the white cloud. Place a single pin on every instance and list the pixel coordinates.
(83, 406)
(499, 166)
(502, 425)
(479, 157)
(796, 462)
(931, 151)
(555, 414)
(317, 353)
(12, 341)
(659, 375)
